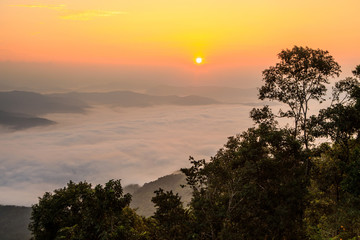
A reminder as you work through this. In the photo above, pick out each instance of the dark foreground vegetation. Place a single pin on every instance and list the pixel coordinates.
(13, 222)
(270, 182)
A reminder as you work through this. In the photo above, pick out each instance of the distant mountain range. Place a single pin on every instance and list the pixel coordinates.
(14, 220)
(223, 94)
(20, 109)
(38, 104)
(133, 99)
(18, 121)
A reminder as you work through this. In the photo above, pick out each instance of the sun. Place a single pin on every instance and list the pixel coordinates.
(198, 60)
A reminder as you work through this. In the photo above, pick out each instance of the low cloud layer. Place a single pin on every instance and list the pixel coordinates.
(136, 145)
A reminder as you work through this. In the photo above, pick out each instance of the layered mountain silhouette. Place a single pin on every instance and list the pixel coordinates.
(133, 99)
(223, 94)
(21, 109)
(18, 121)
(38, 104)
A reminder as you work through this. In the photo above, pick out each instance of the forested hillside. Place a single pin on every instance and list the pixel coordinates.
(14, 222)
(141, 197)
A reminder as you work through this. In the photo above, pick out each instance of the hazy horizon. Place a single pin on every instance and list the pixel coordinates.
(60, 77)
(55, 77)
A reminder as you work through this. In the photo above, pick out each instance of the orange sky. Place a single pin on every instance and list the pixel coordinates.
(226, 33)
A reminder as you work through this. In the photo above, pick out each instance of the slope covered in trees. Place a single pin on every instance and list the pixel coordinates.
(141, 196)
(14, 222)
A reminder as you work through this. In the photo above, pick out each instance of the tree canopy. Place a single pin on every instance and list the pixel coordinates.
(79, 211)
(298, 78)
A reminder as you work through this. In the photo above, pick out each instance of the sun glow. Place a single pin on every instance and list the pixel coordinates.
(198, 60)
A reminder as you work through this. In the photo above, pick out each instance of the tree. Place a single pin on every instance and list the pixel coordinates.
(356, 72)
(81, 212)
(297, 79)
(59, 212)
(253, 188)
(171, 218)
(333, 210)
(341, 120)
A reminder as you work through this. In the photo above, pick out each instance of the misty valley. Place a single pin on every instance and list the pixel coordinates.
(98, 136)
(93, 136)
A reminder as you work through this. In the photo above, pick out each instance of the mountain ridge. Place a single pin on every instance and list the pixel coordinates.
(20, 121)
(134, 99)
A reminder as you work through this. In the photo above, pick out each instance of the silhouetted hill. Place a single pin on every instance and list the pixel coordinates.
(18, 121)
(131, 188)
(132, 99)
(19, 109)
(142, 196)
(37, 104)
(75, 102)
(14, 223)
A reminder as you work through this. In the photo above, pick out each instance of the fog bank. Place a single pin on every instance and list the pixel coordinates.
(136, 145)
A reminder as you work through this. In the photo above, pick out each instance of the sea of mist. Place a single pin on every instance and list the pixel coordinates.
(136, 145)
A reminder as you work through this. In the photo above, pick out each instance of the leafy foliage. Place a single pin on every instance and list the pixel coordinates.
(299, 77)
(253, 188)
(79, 211)
(333, 210)
(171, 218)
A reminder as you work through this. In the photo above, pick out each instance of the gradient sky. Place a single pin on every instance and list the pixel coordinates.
(227, 33)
